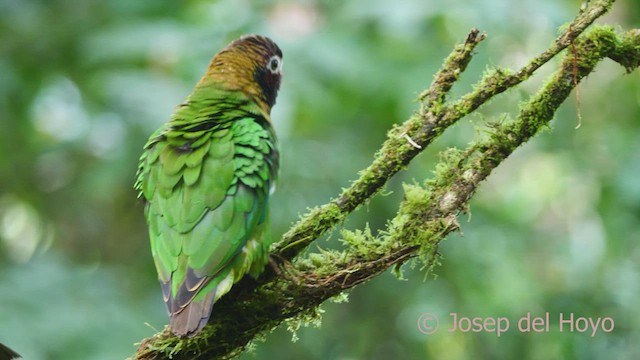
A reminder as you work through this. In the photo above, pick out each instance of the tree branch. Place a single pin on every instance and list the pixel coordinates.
(426, 215)
(433, 118)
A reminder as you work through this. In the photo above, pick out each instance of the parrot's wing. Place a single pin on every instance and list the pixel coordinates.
(206, 195)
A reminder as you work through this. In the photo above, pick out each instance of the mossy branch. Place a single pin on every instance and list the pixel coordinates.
(406, 141)
(428, 212)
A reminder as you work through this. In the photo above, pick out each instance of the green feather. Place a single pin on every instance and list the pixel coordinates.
(192, 208)
(203, 140)
(191, 175)
(166, 181)
(206, 178)
(172, 160)
(196, 157)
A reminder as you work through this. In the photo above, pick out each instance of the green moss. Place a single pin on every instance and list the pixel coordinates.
(362, 244)
(310, 227)
(310, 317)
(628, 51)
(321, 263)
(169, 345)
(409, 226)
(494, 81)
(397, 272)
(447, 169)
(341, 298)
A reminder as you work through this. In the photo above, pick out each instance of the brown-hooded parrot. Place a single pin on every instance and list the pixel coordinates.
(205, 177)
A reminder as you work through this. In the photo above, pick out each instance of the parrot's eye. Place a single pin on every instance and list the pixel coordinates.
(275, 64)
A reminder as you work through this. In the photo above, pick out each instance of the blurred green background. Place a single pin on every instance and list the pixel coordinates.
(84, 83)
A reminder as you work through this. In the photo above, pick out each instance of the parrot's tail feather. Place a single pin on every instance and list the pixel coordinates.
(166, 295)
(190, 317)
(193, 317)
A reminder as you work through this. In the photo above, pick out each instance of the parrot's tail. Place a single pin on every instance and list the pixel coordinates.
(193, 317)
(189, 319)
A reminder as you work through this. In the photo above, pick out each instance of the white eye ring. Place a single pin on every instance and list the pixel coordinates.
(274, 64)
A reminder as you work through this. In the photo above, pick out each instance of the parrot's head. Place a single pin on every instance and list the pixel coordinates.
(252, 64)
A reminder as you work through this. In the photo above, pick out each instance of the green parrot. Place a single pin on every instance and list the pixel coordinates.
(206, 177)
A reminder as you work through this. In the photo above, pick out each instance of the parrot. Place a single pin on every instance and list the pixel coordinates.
(205, 178)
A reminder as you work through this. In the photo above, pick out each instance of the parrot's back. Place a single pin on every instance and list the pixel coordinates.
(206, 178)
